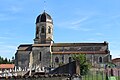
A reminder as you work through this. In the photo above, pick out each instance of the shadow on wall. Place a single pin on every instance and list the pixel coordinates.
(69, 68)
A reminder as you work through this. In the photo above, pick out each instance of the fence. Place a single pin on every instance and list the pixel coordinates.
(102, 74)
(43, 77)
(34, 78)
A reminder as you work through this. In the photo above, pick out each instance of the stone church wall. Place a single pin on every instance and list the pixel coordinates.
(22, 59)
(63, 59)
(41, 56)
(37, 78)
(92, 58)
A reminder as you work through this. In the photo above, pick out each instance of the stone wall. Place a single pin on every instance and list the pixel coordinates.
(41, 56)
(36, 78)
(44, 77)
(22, 59)
(91, 58)
(70, 68)
(63, 59)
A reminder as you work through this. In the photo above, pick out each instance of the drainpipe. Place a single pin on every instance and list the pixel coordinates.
(51, 55)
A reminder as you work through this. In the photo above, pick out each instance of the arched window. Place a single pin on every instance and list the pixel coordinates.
(62, 58)
(112, 72)
(49, 30)
(37, 31)
(57, 60)
(40, 56)
(70, 59)
(100, 60)
(42, 29)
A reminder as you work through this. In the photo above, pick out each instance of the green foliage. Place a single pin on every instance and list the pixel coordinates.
(5, 61)
(60, 63)
(83, 64)
(92, 75)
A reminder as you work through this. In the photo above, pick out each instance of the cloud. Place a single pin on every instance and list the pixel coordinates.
(1, 42)
(8, 12)
(7, 50)
(79, 25)
(79, 21)
(7, 47)
(5, 37)
(11, 47)
(5, 17)
(80, 28)
(15, 9)
(115, 16)
(94, 40)
(7, 53)
(75, 24)
(91, 40)
(115, 53)
(99, 34)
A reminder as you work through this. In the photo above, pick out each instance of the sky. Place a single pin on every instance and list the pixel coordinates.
(74, 21)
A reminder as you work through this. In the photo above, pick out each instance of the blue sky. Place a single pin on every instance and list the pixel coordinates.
(74, 21)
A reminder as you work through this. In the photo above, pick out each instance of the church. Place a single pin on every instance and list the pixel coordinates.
(44, 52)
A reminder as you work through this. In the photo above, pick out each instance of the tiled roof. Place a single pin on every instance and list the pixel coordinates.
(116, 60)
(80, 49)
(25, 47)
(6, 66)
(37, 45)
(82, 52)
(79, 44)
(72, 46)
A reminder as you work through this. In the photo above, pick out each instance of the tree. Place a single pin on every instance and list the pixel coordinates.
(83, 64)
(5, 61)
(13, 60)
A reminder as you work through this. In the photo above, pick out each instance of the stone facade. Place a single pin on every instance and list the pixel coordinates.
(41, 55)
(44, 29)
(116, 61)
(45, 53)
(96, 53)
(22, 56)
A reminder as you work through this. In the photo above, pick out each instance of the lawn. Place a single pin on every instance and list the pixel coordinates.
(97, 76)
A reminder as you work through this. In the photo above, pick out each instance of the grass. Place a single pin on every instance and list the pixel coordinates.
(97, 76)
(118, 78)
(94, 77)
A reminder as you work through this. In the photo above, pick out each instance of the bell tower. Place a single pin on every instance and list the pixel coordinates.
(44, 29)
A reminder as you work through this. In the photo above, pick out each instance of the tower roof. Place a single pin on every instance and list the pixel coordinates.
(44, 17)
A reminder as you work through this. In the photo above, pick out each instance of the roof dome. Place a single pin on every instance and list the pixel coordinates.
(44, 17)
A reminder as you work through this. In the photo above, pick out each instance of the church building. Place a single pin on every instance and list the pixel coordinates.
(46, 53)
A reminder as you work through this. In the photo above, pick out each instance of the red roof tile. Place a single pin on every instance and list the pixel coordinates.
(116, 60)
(6, 66)
(78, 44)
(84, 52)
(37, 45)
